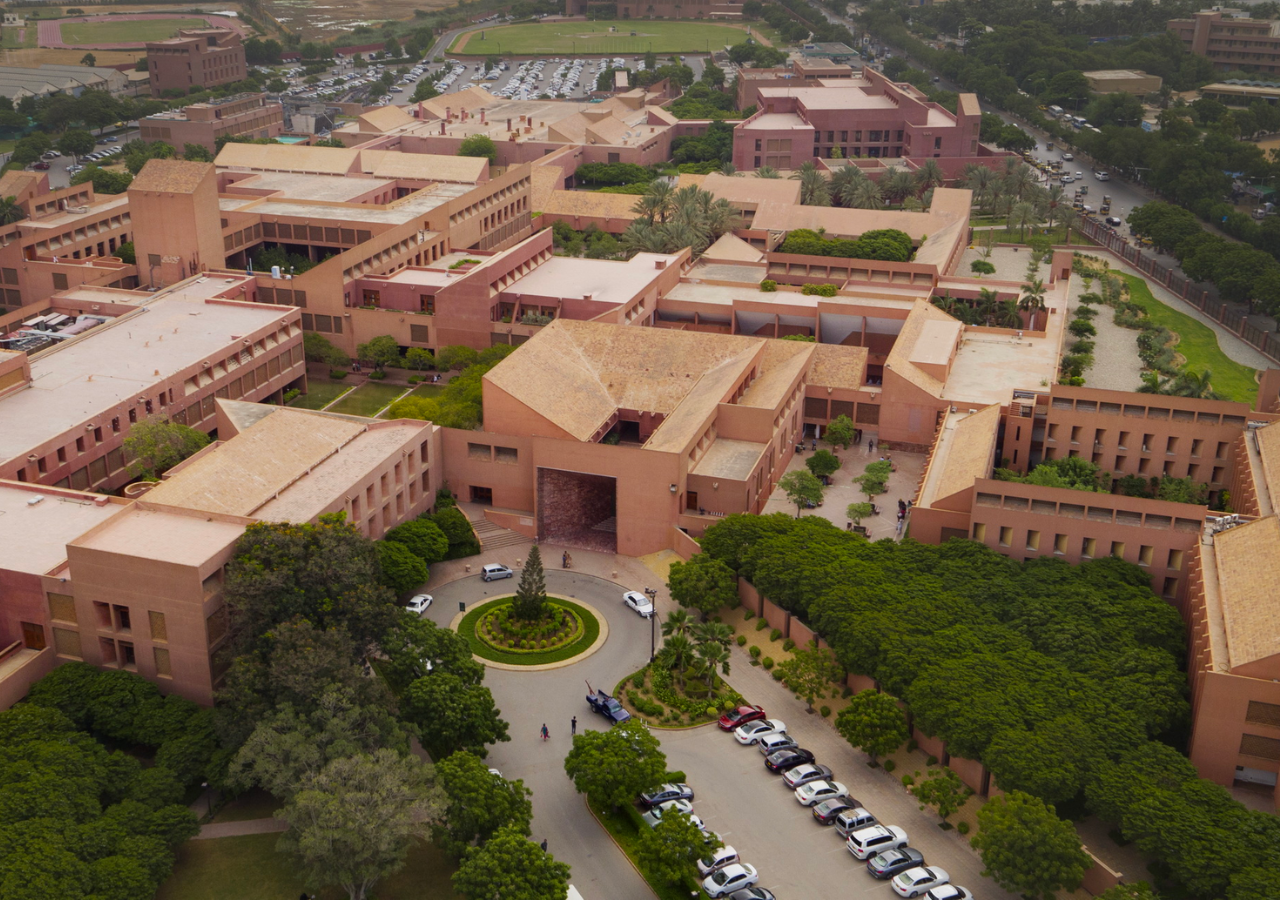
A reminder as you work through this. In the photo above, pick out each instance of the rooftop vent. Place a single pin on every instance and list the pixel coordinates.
(36, 499)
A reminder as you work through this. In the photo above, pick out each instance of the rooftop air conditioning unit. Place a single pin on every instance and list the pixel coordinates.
(36, 499)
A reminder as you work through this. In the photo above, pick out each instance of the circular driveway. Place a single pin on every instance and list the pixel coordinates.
(528, 699)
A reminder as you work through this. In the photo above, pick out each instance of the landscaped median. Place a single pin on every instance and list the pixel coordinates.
(624, 826)
(482, 625)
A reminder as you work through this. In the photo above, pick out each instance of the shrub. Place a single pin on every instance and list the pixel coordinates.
(291, 394)
(1082, 328)
(747, 615)
(912, 744)
(377, 375)
(675, 776)
(762, 625)
(907, 781)
(788, 645)
(962, 827)
(742, 640)
(819, 290)
(415, 379)
(754, 651)
(777, 674)
(769, 286)
(638, 679)
(824, 711)
(932, 760)
(890, 765)
(337, 374)
(767, 662)
(775, 634)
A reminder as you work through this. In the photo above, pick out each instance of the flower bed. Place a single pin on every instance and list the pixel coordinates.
(586, 637)
(652, 695)
(501, 630)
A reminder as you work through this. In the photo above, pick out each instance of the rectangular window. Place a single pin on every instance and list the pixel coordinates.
(164, 668)
(1060, 544)
(1033, 540)
(1175, 560)
(1117, 549)
(32, 636)
(1006, 536)
(1089, 549)
(159, 628)
(67, 643)
(128, 659)
(1145, 554)
(979, 531)
(216, 625)
(62, 608)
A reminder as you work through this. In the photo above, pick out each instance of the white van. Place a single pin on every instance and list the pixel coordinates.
(1055, 111)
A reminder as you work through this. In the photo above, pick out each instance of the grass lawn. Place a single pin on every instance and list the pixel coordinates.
(368, 399)
(423, 391)
(624, 825)
(595, 39)
(590, 631)
(1198, 344)
(249, 868)
(9, 39)
(126, 32)
(321, 394)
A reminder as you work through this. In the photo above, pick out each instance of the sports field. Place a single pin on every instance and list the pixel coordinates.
(595, 38)
(126, 31)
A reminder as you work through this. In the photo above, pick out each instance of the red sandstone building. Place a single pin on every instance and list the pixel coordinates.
(197, 59)
(243, 115)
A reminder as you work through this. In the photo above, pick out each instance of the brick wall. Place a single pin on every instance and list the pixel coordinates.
(749, 596)
(776, 616)
(570, 500)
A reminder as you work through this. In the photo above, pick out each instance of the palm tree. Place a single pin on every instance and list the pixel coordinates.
(1054, 199)
(678, 624)
(930, 175)
(711, 657)
(642, 237)
(814, 189)
(1021, 180)
(767, 172)
(1153, 383)
(867, 195)
(898, 185)
(1032, 300)
(677, 653)
(1068, 217)
(1022, 215)
(947, 303)
(1189, 384)
(843, 182)
(1006, 315)
(655, 203)
(10, 211)
(986, 303)
(722, 217)
(730, 169)
(713, 633)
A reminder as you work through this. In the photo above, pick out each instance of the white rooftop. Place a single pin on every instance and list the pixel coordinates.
(34, 535)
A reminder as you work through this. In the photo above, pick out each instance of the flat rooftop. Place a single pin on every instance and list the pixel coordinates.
(34, 537)
(730, 460)
(323, 188)
(845, 96)
(184, 539)
(77, 381)
(416, 204)
(989, 367)
(606, 281)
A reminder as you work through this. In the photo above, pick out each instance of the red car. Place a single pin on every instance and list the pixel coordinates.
(740, 716)
(42, 165)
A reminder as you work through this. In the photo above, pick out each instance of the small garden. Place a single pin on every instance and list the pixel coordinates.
(530, 629)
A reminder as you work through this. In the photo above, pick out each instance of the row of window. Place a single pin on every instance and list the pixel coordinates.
(83, 233)
(461, 215)
(1089, 549)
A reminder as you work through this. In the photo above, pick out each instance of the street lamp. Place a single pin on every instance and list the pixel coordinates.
(208, 796)
(653, 634)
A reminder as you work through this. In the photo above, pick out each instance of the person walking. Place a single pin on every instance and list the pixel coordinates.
(573, 726)
(545, 734)
(544, 845)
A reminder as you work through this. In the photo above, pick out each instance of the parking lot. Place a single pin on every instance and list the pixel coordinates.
(756, 814)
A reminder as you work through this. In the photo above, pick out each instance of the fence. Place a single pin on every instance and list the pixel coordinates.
(1265, 342)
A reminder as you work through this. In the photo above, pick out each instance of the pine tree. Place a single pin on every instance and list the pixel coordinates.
(531, 596)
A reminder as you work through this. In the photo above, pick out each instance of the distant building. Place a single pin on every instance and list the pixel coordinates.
(1231, 43)
(198, 58)
(1123, 81)
(243, 115)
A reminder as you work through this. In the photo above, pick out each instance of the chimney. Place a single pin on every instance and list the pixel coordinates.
(448, 113)
(587, 297)
(659, 263)
(508, 123)
(482, 121)
(463, 115)
(442, 126)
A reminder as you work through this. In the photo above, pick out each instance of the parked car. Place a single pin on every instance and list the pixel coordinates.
(817, 791)
(851, 820)
(493, 572)
(666, 792)
(888, 863)
(419, 604)
(1068, 157)
(804, 774)
(42, 165)
(717, 859)
(729, 879)
(825, 812)
(1114, 221)
(1102, 176)
(607, 706)
(753, 893)
(740, 716)
(781, 761)
(753, 731)
(638, 602)
(876, 839)
(914, 882)
(775, 742)
(948, 892)
(654, 816)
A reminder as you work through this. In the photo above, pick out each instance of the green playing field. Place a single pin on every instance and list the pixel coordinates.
(597, 38)
(77, 33)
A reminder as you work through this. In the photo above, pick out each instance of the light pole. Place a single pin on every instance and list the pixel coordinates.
(653, 628)
(208, 796)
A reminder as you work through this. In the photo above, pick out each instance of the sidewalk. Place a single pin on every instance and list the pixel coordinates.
(235, 829)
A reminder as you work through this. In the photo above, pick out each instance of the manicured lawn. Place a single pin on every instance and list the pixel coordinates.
(590, 631)
(126, 32)
(11, 41)
(1198, 344)
(249, 868)
(595, 39)
(423, 391)
(368, 399)
(320, 394)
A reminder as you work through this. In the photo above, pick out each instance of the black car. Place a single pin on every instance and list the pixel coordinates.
(664, 792)
(781, 760)
(891, 862)
(826, 811)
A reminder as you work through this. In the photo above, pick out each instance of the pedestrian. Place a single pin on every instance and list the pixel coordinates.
(564, 562)
(545, 734)
(573, 726)
(544, 845)
(899, 529)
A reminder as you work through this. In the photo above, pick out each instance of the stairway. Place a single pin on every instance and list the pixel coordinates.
(495, 537)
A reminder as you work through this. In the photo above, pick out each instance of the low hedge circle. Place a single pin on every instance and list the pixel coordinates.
(467, 627)
(493, 610)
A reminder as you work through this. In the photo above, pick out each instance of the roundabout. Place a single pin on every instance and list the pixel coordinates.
(498, 640)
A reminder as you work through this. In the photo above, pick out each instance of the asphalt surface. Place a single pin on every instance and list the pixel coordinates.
(530, 699)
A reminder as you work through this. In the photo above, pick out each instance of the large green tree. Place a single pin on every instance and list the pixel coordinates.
(381, 351)
(873, 723)
(402, 571)
(452, 715)
(354, 823)
(417, 647)
(943, 790)
(703, 583)
(801, 488)
(155, 445)
(530, 601)
(511, 867)
(1026, 848)
(423, 538)
(479, 804)
(613, 767)
(668, 851)
(811, 672)
(823, 463)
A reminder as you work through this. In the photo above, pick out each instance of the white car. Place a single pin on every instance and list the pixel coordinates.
(717, 859)
(493, 572)
(805, 773)
(867, 842)
(732, 878)
(817, 791)
(914, 882)
(639, 602)
(949, 892)
(419, 604)
(684, 807)
(751, 732)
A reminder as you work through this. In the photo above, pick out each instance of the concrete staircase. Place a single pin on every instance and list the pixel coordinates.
(495, 537)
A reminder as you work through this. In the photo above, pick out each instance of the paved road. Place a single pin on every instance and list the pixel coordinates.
(528, 699)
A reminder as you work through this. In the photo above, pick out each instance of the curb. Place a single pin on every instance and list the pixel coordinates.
(625, 855)
(545, 667)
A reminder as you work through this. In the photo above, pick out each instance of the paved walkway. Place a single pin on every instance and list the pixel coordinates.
(235, 829)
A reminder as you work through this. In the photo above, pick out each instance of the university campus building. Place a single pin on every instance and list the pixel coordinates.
(242, 115)
(197, 59)
(1231, 41)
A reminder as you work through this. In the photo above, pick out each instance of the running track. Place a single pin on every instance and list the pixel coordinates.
(50, 34)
